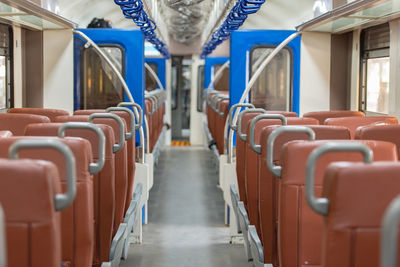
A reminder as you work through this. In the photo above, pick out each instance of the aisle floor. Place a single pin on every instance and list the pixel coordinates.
(186, 216)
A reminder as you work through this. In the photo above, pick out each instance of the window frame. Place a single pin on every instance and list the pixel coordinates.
(383, 52)
(9, 56)
(83, 71)
(291, 70)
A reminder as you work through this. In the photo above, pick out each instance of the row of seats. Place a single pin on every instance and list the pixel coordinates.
(272, 203)
(155, 111)
(94, 228)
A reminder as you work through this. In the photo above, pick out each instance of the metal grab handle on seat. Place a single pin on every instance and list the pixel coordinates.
(222, 98)
(61, 201)
(390, 224)
(131, 116)
(212, 101)
(277, 170)
(121, 142)
(239, 122)
(257, 148)
(94, 167)
(321, 205)
(233, 109)
(138, 109)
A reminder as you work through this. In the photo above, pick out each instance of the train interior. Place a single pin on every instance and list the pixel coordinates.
(199, 133)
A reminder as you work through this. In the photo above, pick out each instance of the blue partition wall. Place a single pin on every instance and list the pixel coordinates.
(132, 42)
(209, 65)
(242, 43)
(161, 67)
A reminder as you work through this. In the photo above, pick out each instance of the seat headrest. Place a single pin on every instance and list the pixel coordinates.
(295, 155)
(50, 113)
(354, 122)
(81, 149)
(51, 129)
(33, 182)
(358, 187)
(284, 113)
(322, 132)
(16, 123)
(321, 116)
(85, 118)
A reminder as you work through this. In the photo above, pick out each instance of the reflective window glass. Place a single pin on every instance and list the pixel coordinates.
(272, 90)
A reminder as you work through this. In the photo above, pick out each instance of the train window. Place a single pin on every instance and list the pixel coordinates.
(273, 88)
(101, 86)
(5, 67)
(375, 61)
(200, 88)
(151, 83)
(222, 84)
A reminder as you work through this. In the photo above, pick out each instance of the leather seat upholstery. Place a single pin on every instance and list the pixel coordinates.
(300, 229)
(220, 126)
(131, 150)
(48, 112)
(33, 227)
(103, 182)
(121, 161)
(358, 196)
(268, 190)
(354, 122)
(77, 220)
(252, 164)
(16, 123)
(389, 133)
(321, 116)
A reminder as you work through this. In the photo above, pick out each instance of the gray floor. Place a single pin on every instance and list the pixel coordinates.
(186, 216)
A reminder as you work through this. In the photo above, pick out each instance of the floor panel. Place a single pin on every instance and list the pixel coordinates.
(186, 216)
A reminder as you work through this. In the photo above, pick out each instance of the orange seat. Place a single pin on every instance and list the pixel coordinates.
(131, 149)
(103, 182)
(121, 161)
(33, 227)
(358, 196)
(354, 122)
(252, 159)
(50, 113)
(299, 228)
(16, 123)
(268, 190)
(389, 133)
(321, 116)
(77, 220)
(220, 125)
(148, 110)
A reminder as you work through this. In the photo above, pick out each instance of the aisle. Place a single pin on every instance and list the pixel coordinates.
(186, 216)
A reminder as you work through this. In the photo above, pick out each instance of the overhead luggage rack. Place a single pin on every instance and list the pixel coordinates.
(31, 15)
(353, 15)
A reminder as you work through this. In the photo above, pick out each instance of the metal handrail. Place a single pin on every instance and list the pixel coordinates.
(89, 43)
(257, 74)
(390, 225)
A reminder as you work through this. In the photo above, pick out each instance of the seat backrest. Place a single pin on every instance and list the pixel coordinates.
(16, 123)
(288, 114)
(5, 134)
(121, 161)
(252, 163)
(354, 122)
(389, 133)
(48, 112)
(77, 220)
(268, 190)
(321, 116)
(27, 190)
(300, 229)
(220, 126)
(358, 196)
(131, 149)
(103, 182)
